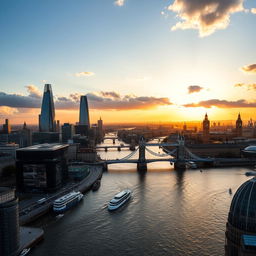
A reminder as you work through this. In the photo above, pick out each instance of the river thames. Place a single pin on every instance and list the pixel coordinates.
(170, 213)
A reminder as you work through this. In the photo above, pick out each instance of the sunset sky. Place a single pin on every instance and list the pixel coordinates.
(137, 60)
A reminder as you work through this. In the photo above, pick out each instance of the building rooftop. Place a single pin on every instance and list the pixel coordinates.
(44, 147)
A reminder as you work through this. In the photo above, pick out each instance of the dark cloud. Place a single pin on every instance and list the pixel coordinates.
(249, 68)
(204, 15)
(194, 88)
(222, 104)
(102, 100)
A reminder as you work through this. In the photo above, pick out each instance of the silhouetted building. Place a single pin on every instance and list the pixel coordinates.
(100, 130)
(9, 223)
(82, 130)
(45, 137)
(241, 225)
(42, 168)
(47, 117)
(206, 129)
(239, 126)
(84, 112)
(6, 127)
(67, 132)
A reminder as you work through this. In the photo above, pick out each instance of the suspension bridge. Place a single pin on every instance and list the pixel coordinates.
(179, 155)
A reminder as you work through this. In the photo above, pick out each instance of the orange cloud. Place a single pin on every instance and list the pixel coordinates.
(249, 86)
(249, 68)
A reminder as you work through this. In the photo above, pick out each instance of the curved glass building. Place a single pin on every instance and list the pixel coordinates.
(241, 225)
(84, 112)
(47, 117)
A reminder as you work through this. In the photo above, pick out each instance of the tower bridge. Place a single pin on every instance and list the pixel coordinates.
(179, 155)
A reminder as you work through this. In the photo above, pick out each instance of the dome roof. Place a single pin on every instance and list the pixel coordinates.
(250, 148)
(242, 213)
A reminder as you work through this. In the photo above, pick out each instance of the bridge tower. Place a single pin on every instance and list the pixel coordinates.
(180, 162)
(142, 165)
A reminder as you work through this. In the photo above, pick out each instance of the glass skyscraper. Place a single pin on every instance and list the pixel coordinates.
(47, 116)
(84, 112)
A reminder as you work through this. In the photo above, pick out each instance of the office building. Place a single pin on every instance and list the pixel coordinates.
(42, 168)
(47, 117)
(7, 127)
(67, 132)
(84, 112)
(45, 137)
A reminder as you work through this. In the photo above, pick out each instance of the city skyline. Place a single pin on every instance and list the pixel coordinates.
(190, 66)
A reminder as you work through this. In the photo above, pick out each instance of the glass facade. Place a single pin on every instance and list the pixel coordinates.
(47, 116)
(84, 112)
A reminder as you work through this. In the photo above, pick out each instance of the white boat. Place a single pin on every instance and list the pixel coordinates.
(67, 201)
(119, 199)
(191, 165)
(24, 252)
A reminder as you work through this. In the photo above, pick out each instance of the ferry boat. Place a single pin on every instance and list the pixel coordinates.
(96, 185)
(67, 201)
(24, 252)
(191, 165)
(252, 173)
(119, 199)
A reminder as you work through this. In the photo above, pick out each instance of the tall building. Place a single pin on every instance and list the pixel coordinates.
(7, 127)
(47, 117)
(84, 112)
(100, 130)
(239, 126)
(241, 226)
(9, 219)
(206, 129)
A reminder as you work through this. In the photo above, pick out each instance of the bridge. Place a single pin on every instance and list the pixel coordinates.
(114, 138)
(115, 147)
(179, 155)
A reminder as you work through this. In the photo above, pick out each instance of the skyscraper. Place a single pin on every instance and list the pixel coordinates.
(84, 112)
(7, 127)
(47, 116)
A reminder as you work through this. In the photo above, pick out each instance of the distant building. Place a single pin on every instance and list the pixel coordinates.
(6, 127)
(42, 168)
(206, 129)
(239, 126)
(45, 137)
(9, 219)
(67, 132)
(9, 149)
(241, 225)
(47, 117)
(100, 130)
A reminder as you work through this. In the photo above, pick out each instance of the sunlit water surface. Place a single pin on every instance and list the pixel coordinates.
(170, 213)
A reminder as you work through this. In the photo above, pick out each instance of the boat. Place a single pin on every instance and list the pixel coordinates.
(252, 173)
(230, 191)
(119, 199)
(96, 185)
(24, 252)
(191, 165)
(67, 201)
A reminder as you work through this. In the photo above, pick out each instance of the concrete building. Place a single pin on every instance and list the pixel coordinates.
(241, 225)
(42, 168)
(9, 223)
(47, 117)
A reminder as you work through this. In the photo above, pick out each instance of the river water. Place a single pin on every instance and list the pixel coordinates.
(170, 213)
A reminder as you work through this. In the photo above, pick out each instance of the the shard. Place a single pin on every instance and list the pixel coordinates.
(47, 117)
(84, 112)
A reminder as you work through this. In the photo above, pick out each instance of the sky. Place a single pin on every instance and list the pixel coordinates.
(137, 61)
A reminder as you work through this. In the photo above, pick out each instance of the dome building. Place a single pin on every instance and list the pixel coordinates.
(241, 225)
